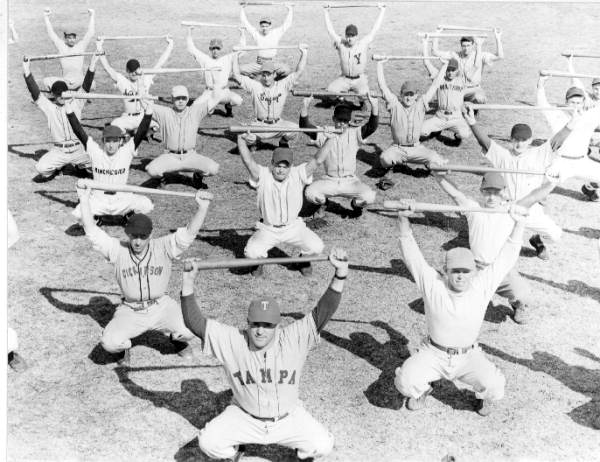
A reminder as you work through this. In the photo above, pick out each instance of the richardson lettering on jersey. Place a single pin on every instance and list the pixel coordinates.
(266, 377)
(109, 171)
(357, 57)
(451, 87)
(269, 99)
(132, 271)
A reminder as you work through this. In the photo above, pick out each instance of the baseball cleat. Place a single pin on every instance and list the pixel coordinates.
(39, 178)
(484, 407)
(540, 248)
(415, 404)
(591, 193)
(75, 230)
(198, 181)
(520, 312)
(125, 358)
(258, 271)
(239, 454)
(306, 270)
(16, 362)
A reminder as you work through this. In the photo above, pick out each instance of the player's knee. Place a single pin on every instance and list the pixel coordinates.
(387, 159)
(210, 444)
(212, 169)
(314, 196)
(492, 384)
(367, 197)
(321, 446)
(145, 206)
(153, 170)
(253, 251)
(113, 344)
(463, 133)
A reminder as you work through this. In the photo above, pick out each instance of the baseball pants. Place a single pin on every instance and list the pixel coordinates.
(217, 96)
(471, 370)
(130, 122)
(191, 161)
(251, 138)
(344, 84)
(251, 69)
(539, 223)
(12, 342)
(396, 154)
(58, 157)
(351, 187)
(297, 234)
(116, 204)
(164, 316)
(582, 168)
(475, 95)
(298, 430)
(454, 123)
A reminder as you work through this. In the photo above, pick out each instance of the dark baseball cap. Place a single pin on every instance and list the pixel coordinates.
(268, 66)
(351, 30)
(283, 155)
(467, 38)
(493, 180)
(215, 43)
(460, 258)
(409, 86)
(139, 224)
(574, 91)
(452, 64)
(343, 113)
(69, 34)
(112, 131)
(265, 19)
(58, 87)
(264, 309)
(521, 132)
(132, 65)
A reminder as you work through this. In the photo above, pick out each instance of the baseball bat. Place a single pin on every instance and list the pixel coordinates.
(69, 55)
(318, 93)
(267, 129)
(351, 5)
(568, 54)
(448, 34)
(475, 169)
(83, 95)
(466, 28)
(208, 24)
(510, 107)
(243, 3)
(549, 73)
(256, 48)
(244, 262)
(402, 57)
(138, 189)
(177, 70)
(425, 207)
(131, 37)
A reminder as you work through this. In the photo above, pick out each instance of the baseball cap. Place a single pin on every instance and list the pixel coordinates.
(521, 132)
(493, 180)
(460, 257)
(264, 309)
(68, 34)
(409, 86)
(138, 224)
(351, 30)
(283, 155)
(112, 131)
(343, 113)
(268, 66)
(132, 65)
(58, 87)
(574, 91)
(452, 64)
(216, 43)
(596, 81)
(265, 19)
(467, 38)
(179, 90)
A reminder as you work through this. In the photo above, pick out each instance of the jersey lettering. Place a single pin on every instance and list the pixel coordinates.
(132, 271)
(264, 305)
(108, 171)
(269, 99)
(357, 57)
(266, 377)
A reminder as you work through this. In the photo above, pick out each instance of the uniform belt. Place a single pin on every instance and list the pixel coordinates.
(133, 113)
(352, 77)
(69, 144)
(140, 305)
(412, 145)
(268, 419)
(110, 193)
(572, 158)
(278, 226)
(179, 151)
(262, 58)
(449, 112)
(451, 351)
(268, 121)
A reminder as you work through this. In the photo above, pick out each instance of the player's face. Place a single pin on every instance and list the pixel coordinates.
(138, 242)
(135, 75)
(596, 91)
(492, 197)
(520, 146)
(576, 102)
(466, 48)
(261, 333)
(70, 40)
(267, 78)
(180, 102)
(280, 171)
(214, 52)
(341, 124)
(265, 27)
(459, 279)
(408, 98)
(112, 145)
(351, 40)
(59, 100)
(451, 73)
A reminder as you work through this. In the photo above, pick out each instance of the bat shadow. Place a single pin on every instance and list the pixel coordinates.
(586, 232)
(66, 202)
(574, 286)
(36, 155)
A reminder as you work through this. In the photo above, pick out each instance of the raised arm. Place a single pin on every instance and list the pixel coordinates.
(499, 48)
(75, 124)
(144, 126)
(235, 68)
(87, 218)
(537, 195)
(335, 37)
(387, 93)
(91, 30)
(193, 318)
(431, 69)
(58, 43)
(451, 189)
(203, 199)
(481, 137)
(428, 96)
(89, 75)
(114, 75)
(304, 121)
(369, 128)
(249, 162)
(371, 35)
(287, 23)
(435, 49)
(191, 48)
(165, 56)
(329, 302)
(244, 20)
(303, 47)
(243, 41)
(318, 159)
(32, 85)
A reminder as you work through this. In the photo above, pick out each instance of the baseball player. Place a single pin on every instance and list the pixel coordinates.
(263, 364)
(67, 149)
(72, 68)
(489, 231)
(471, 61)
(338, 154)
(353, 53)
(264, 38)
(133, 84)
(279, 196)
(15, 360)
(592, 98)
(268, 98)
(143, 269)
(179, 130)
(110, 164)
(523, 156)
(455, 305)
(407, 115)
(217, 91)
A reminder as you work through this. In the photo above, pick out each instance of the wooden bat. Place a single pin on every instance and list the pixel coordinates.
(466, 28)
(69, 55)
(208, 24)
(255, 48)
(425, 207)
(319, 93)
(267, 129)
(475, 169)
(131, 37)
(177, 70)
(244, 262)
(82, 184)
(448, 34)
(549, 73)
(568, 54)
(402, 58)
(351, 5)
(514, 107)
(83, 95)
(261, 3)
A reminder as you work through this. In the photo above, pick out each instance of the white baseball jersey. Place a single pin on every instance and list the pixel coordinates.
(271, 39)
(141, 87)
(58, 123)
(111, 169)
(341, 150)
(536, 158)
(279, 202)
(353, 60)
(406, 122)
(471, 67)
(264, 383)
(142, 277)
(454, 318)
(72, 68)
(179, 130)
(450, 95)
(268, 102)
(215, 79)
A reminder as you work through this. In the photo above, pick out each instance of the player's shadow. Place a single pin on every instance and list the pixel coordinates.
(396, 268)
(577, 378)
(66, 202)
(574, 286)
(36, 155)
(586, 232)
(576, 195)
(101, 310)
(141, 165)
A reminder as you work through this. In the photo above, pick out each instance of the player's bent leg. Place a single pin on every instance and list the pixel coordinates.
(394, 155)
(166, 162)
(460, 128)
(199, 163)
(233, 98)
(540, 223)
(432, 125)
(316, 192)
(482, 376)
(299, 235)
(53, 160)
(260, 243)
(169, 319)
(124, 326)
(423, 155)
(413, 378)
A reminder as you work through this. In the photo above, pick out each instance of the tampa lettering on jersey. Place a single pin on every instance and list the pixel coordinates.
(451, 87)
(109, 171)
(266, 377)
(269, 99)
(132, 271)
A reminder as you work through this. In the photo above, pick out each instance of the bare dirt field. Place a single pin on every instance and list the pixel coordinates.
(75, 404)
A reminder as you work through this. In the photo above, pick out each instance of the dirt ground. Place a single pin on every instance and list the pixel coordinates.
(75, 404)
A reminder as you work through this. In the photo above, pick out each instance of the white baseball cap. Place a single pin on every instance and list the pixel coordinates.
(179, 90)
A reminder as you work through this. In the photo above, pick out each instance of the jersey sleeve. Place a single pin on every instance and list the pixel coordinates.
(490, 278)
(44, 104)
(496, 153)
(302, 334)
(262, 171)
(304, 178)
(488, 58)
(93, 150)
(103, 243)
(176, 243)
(220, 341)
(121, 83)
(289, 82)
(423, 274)
(249, 84)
